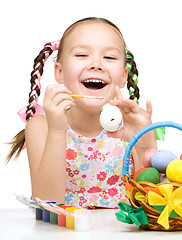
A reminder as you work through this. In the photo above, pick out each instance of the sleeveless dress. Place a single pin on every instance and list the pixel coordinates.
(94, 170)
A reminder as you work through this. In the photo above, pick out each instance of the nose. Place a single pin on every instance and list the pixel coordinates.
(96, 65)
(96, 68)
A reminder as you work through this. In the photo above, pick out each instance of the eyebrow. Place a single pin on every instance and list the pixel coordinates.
(87, 47)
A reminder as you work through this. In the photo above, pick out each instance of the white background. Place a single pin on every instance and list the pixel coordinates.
(152, 31)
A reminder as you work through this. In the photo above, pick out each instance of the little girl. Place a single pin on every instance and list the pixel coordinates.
(72, 159)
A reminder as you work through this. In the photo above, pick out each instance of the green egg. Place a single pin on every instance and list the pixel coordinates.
(149, 175)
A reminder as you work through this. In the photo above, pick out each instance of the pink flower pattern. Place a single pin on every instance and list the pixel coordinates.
(101, 176)
(94, 173)
(113, 180)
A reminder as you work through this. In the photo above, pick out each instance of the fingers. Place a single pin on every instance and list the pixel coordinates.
(125, 105)
(119, 96)
(57, 95)
(60, 97)
(149, 107)
(65, 106)
(54, 89)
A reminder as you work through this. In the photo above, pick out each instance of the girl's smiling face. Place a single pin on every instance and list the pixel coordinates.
(92, 61)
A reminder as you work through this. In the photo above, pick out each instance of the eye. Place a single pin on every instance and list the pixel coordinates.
(81, 55)
(110, 58)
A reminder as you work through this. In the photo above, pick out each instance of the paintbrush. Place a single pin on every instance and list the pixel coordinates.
(84, 96)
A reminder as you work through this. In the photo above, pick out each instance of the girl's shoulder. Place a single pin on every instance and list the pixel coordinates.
(36, 120)
(39, 119)
(36, 124)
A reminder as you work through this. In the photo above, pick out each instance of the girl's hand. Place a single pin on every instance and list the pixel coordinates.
(134, 119)
(57, 100)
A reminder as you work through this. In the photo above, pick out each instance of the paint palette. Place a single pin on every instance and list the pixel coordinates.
(59, 214)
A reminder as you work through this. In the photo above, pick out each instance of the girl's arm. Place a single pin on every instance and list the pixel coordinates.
(46, 145)
(134, 119)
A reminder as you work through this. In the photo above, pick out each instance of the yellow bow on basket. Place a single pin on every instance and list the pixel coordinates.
(171, 200)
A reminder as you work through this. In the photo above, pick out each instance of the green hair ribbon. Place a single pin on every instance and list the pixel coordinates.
(127, 55)
(131, 91)
(129, 66)
(159, 132)
(136, 100)
(135, 79)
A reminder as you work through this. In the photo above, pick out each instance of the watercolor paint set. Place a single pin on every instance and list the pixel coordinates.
(58, 214)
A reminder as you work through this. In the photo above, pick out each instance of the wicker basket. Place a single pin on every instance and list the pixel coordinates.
(142, 188)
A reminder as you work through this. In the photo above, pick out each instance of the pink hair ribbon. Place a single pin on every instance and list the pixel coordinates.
(55, 45)
(38, 109)
(22, 113)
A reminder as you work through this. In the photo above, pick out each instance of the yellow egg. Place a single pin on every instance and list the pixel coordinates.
(174, 171)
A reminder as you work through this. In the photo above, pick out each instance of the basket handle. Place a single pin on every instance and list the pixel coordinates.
(138, 135)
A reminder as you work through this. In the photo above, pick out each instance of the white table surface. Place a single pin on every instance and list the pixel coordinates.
(21, 224)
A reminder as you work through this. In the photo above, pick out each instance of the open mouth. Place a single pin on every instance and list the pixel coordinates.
(94, 84)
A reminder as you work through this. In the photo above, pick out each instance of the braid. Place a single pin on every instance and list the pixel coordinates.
(36, 75)
(132, 80)
(18, 142)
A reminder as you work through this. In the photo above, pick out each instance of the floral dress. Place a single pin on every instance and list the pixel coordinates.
(94, 170)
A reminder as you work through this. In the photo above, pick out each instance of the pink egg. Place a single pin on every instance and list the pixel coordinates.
(147, 156)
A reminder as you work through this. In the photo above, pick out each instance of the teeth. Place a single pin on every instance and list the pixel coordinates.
(94, 80)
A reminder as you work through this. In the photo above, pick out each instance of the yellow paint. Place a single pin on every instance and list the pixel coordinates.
(70, 219)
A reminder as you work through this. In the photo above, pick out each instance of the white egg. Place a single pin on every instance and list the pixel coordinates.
(110, 118)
